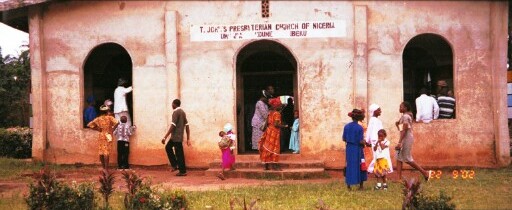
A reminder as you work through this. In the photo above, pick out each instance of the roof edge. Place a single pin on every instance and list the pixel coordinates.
(15, 4)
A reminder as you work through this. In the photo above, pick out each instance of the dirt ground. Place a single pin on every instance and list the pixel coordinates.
(196, 180)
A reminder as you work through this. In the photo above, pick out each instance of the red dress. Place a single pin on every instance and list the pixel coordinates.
(270, 144)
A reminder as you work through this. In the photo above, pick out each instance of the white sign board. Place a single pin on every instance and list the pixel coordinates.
(300, 29)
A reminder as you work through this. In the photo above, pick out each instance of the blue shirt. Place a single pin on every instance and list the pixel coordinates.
(89, 114)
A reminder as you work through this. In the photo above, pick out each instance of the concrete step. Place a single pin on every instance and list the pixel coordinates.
(256, 157)
(243, 164)
(259, 173)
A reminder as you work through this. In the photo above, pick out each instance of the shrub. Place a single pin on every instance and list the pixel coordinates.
(16, 142)
(173, 200)
(415, 199)
(48, 193)
(429, 202)
(141, 195)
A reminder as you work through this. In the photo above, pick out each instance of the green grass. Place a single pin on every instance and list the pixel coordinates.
(14, 201)
(14, 168)
(300, 196)
(490, 189)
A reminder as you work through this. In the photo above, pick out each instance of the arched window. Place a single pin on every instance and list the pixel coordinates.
(103, 67)
(428, 63)
(258, 65)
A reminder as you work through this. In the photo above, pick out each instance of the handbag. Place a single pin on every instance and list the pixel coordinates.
(364, 167)
(109, 137)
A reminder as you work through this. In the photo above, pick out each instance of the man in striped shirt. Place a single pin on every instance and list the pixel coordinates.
(446, 105)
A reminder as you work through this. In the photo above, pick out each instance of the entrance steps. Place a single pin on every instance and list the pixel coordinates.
(249, 166)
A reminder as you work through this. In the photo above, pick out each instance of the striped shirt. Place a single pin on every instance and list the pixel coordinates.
(123, 132)
(446, 107)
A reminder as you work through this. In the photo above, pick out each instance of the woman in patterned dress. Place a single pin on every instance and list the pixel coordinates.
(258, 119)
(270, 142)
(105, 124)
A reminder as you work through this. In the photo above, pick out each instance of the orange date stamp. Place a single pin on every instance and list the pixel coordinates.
(455, 174)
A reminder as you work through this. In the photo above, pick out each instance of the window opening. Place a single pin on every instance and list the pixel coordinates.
(103, 67)
(428, 63)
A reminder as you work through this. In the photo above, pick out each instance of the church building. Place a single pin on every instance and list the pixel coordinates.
(217, 57)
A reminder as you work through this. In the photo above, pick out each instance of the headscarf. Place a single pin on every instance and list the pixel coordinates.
(228, 127)
(107, 102)
(275, 102)
(372, 109)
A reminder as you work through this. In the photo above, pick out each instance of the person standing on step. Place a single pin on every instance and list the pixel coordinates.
(258, 120)
(269, 144)
(227, 146)
(294, 137)
(288, 118)
(174, 147)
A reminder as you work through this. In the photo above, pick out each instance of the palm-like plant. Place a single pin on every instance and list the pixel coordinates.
(411, 188)
(107, 180)
(133, 183)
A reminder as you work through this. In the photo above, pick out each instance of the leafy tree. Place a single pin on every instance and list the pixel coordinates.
(14, 89)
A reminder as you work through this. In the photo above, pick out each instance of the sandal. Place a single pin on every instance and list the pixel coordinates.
(429, 175)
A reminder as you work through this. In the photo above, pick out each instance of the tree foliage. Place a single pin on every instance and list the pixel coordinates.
(15, 89)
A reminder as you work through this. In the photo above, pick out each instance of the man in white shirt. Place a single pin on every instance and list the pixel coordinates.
(120, 106)
(426, 107)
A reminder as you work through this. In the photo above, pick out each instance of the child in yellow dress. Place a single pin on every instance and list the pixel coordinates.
(381, 151)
